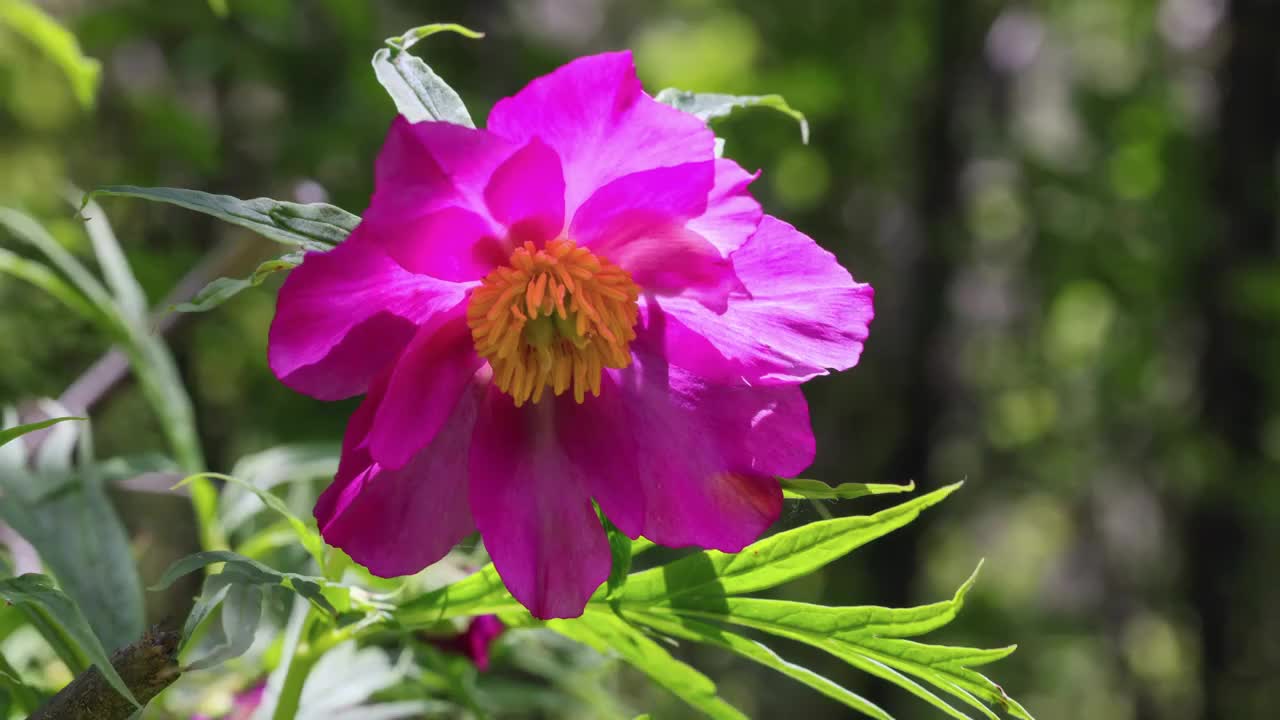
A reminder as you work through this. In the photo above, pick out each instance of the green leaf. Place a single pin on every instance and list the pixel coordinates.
(710, 106)
(314, 226)
(273, 467)
(607, 633)
(57, 43)
(771, 561)
(241, 613)
(224, 288)
(620, 548)
(795, 488)
(252, 572)
(871, 639)
(42, 277)
(418, 92)
(757, 652)
(93, 563)
(8, 434)
(480, 593)
(129, 297)
(62, 624)
(26, 229)
(309, 537)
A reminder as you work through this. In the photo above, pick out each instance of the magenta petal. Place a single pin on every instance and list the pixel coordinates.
(449, 243)
(526, 194)
(685, 462)
(732, 215)
(802, 314)
(595, 115)
(533, 509)
(343, 315)
(425, 385)
(397, 522)
(428, 209)
(638, 222)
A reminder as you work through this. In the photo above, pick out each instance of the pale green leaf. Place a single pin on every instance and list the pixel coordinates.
(42, 277)
(796, 488)
(223, 289)
(709, 106)
(62, 624)
(772, 561)
(608, 633)
(26, 229)
(241, 613)
(314, 226)
(249, 571)
(129, 297)
(418, 92)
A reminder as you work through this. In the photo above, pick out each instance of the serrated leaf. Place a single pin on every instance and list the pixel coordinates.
(695, 631)
(772, 561)
(249, 571)
(872, 639)
(313, 226)
(309, 538)
(58, 43)
(417, 91)
(60, 621)
(223, 289)
(797, 488)
(709, 106)
(608, 633)
(9, 434)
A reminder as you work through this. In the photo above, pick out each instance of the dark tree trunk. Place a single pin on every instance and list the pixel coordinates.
(1221, 548)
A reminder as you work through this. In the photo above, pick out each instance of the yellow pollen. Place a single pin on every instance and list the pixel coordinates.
(554, 317)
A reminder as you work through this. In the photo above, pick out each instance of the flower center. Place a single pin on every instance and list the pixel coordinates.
(553, 317)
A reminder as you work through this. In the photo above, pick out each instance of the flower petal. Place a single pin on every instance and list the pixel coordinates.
(802, 314)
(526, 194)
(397, 522)
(687, 462)
(638, 222)
(732, 215)
(533, 510)
(595, 115)
(426, 383)
(428, 209)
(343, 315)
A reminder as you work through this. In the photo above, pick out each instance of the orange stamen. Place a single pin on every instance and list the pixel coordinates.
(553, 317)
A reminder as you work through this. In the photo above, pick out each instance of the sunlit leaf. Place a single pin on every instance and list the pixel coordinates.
(59, 620)
(418, 92)
(55, 41)
(818, 490)
(695, 631)
(773, 560)
(710, 106)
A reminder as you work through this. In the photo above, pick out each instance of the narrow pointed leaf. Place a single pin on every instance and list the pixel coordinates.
(796, 488)
(772, 561)
(249, 571)
(609, 634)
(9, 434)
(307, 535)
(314, 226)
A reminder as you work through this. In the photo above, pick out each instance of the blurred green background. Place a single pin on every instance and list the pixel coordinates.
(1067, 208)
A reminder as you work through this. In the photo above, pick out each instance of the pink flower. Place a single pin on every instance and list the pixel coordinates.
(474, 643)
(579, 303)
(244, 704)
